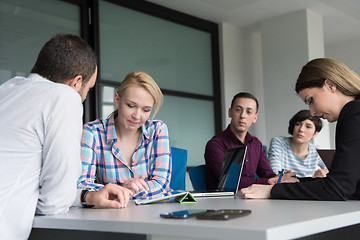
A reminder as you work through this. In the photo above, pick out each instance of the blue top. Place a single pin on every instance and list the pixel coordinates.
(343, 180)
(281, 156)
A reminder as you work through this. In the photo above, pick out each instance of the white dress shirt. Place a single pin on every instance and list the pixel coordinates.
(41, 125)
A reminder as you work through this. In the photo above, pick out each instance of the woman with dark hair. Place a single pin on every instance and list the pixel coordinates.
(297, 153)
(332, 91)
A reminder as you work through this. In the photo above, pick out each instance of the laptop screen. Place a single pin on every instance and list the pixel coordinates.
(327, 156)
(231, 170)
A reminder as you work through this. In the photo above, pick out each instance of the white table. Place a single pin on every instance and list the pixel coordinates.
(270, 219)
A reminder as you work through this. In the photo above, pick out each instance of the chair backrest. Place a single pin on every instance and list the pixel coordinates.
(265, 149)
(179, 161)
(198, 177)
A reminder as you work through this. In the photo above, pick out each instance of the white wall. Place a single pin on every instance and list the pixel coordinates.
(253, 77)
(230, 66)
(285, 49)
(242, 69)
(347, 52)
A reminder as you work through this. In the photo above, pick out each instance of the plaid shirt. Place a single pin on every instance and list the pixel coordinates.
(102, 161)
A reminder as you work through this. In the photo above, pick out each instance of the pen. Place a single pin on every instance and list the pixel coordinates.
(281, 174)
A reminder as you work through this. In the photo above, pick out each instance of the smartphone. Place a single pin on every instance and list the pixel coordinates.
(183, 213)
(223, 214)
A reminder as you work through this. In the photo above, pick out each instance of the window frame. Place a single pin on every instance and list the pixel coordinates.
(90, 32)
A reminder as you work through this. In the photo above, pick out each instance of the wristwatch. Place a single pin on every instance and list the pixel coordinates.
(83, 197)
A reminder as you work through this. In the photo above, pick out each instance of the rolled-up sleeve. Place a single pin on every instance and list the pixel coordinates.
(159, 162)
(88, 156)
(61, 165)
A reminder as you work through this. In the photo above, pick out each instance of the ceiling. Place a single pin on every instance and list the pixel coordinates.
(341, 18)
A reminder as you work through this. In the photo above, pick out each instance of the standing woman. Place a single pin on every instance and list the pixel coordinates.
(297, 153)
(129, 148)
(332, 91)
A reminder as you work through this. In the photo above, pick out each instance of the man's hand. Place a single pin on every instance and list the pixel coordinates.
(111, 195)
(136, 184)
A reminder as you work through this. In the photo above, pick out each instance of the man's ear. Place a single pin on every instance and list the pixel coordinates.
(229, 113)
(256, 117)
(75, 83)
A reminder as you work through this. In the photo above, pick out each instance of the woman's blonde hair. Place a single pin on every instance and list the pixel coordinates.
(315, 72)
(144, 80)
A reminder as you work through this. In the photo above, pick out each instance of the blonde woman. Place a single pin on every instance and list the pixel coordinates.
(128, 149)
(332, 92)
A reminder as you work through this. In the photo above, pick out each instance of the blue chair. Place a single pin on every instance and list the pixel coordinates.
(265, 149)
(198, 177)
(179, 161)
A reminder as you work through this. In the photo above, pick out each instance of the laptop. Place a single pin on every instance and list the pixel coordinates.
(327, 156)
(230, 175)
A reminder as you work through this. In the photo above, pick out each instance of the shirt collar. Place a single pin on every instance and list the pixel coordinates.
(39, 78)
(145, 130)
(110, 130)
(232, 136)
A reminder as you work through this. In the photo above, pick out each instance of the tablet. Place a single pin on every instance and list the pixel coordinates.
(170, 195)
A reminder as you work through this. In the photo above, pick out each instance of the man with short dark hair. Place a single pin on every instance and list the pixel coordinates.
(243, 112)
(41, 121)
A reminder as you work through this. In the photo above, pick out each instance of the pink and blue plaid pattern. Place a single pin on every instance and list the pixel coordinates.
(102, 161)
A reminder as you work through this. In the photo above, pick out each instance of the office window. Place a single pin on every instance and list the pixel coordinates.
(25, 26)
(191, 124)
(177, 56)
(179, 51)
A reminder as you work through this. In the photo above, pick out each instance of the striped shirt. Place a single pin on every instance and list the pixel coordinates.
(282, 156)
(102, 161)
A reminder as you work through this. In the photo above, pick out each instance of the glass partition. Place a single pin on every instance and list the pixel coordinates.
(25, 26)
(177, 56)
(190, 123)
